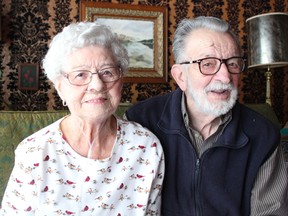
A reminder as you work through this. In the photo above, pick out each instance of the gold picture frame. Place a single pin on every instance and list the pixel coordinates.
(144, 31)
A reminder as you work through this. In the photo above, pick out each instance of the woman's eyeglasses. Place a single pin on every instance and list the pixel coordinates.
(84, 77)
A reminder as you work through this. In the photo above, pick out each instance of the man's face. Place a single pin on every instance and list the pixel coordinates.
(213, 94)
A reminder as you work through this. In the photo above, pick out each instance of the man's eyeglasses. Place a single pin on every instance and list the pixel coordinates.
(84, 77)
(211, 65)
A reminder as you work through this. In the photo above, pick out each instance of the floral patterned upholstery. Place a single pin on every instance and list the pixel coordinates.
(16, 125)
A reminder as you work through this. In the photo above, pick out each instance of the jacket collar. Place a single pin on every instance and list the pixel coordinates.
(171, 120)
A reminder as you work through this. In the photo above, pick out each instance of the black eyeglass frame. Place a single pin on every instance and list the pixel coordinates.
(66, 75)
(221, 61)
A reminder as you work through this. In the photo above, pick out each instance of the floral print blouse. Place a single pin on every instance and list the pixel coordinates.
(50, 178)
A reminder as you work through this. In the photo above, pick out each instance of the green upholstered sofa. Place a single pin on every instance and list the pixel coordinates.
(16, 125)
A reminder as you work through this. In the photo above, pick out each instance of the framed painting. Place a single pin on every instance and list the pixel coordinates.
(143, 30)
(28, 76)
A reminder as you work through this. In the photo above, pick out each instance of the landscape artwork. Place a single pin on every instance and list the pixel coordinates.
(138, 38)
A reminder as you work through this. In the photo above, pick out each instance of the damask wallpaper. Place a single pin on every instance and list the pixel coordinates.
(28, 26)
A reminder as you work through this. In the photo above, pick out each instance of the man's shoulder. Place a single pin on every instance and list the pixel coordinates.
(153, 102)
(149, 109)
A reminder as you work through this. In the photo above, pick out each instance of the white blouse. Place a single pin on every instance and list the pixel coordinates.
(50, 178)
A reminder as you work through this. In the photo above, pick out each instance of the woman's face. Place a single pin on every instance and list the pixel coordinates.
(97, 99)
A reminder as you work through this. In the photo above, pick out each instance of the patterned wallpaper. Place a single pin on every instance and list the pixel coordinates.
(28, 25)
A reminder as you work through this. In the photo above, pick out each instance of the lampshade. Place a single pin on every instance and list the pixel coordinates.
(267, 37)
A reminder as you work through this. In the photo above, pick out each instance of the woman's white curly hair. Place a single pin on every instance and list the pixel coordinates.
(76, 36)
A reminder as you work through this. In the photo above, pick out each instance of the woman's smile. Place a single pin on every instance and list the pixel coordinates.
(98, 100)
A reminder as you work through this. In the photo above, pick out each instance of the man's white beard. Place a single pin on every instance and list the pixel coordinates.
(200, 98)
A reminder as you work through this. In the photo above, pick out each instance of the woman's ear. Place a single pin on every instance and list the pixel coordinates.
(58, 88)
(179, 76)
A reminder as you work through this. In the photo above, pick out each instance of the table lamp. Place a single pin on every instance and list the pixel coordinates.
(267, 38)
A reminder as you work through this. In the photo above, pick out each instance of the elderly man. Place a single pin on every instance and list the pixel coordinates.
(221, 157)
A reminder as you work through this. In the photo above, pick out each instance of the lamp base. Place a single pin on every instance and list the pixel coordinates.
(268, 75)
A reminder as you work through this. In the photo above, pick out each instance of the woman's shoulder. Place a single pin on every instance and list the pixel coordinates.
(37, 139)
(134, 127)
(134, 131)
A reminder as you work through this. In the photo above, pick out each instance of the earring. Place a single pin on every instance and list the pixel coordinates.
(64, 103)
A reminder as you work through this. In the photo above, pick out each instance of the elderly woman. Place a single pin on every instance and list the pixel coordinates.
(89, 162)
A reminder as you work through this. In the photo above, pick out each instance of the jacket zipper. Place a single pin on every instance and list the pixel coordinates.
(197, 188)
